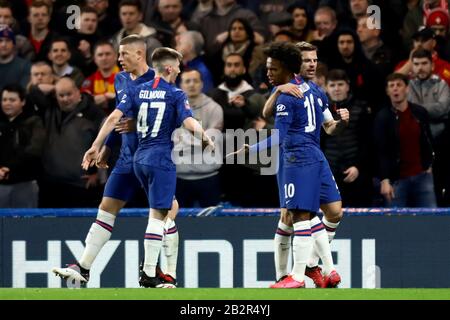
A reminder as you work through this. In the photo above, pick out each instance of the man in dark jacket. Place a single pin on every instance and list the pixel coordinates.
(348, 152)
(72, 125)
(21, 141)
(403, 143)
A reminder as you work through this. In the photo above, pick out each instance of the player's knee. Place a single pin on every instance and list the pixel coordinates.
(172, 214)
(112, 206)
(285, 217)
(298, 216)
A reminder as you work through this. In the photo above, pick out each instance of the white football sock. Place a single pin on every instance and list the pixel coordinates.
(152, 245)
(170, 244)
(282, 241)
(321, 245)
(302, 245)
(330, 227)
(98, 235)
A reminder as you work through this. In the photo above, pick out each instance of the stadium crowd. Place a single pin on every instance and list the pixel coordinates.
(57, 86)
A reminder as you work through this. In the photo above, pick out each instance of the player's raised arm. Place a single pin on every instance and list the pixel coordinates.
(288, 88)
(334, 127)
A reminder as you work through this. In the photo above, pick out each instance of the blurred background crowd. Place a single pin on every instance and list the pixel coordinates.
(57, 86)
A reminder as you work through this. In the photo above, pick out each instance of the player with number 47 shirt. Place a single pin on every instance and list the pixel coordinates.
(160, 108)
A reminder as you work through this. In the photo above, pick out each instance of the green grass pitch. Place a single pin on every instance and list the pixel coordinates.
(223, 294)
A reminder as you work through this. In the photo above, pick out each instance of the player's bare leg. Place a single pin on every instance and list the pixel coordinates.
(98, 235)
(282, 242)
(302, 247)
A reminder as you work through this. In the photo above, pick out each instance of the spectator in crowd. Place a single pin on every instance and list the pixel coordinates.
(59, 55)
(241, 105)
(72, 125)
(190, 45)
(41, 86)
(40, 35)
(425, 39)
(365, 81)
(439, 21)
(169, 23)
(432, 93)
(429, 91)
(130, 12)
(201, 10)
(240, 102)
(108, 23)
(284, 36)
(404, 151)
(101, 83)
(326, 22)
(214, 25)
(22, 138)
(374, 48)
(23, 46)
(84, 39)
(416, 17)
(241, 40)
(302, 20)
(358, 9)
(321, 75)
(13, 69)
(348, 152)
(279, 21)
(198, 184)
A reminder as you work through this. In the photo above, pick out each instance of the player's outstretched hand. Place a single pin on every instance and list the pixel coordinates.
(125, 125)
(245, 148)
(102, 158)
(292, 89)
(90, 158)
(343, 114)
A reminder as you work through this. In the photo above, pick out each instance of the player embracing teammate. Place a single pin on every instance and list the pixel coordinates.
(305, 180)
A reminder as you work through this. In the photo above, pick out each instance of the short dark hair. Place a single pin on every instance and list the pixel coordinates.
(287, 53)
(192, 70)
(133, 3)
(397, 76)
(62, 39)
(165, 53)
(40, 4)
(234, 54)
(87, 9)
(422, 53)
(5, 4)
(286, 33)
(17, 89)
(337, 75)
(103, 42)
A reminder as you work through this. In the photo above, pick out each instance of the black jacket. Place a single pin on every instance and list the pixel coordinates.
(387, 141)
(21, 145)
(68, 137)
(351, 146)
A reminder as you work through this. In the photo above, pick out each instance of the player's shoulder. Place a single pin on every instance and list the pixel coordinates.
(122, 76)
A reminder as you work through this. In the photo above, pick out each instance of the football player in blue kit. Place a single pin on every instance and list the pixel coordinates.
(332, 210)
(305, 178)
(159, 108)
(122, 183)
